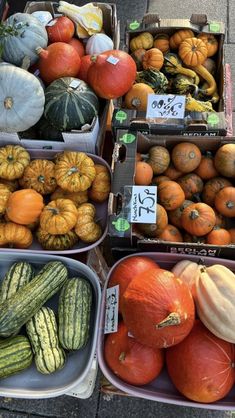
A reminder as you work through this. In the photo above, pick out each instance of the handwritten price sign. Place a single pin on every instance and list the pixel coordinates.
(143, 204)
(165, 106)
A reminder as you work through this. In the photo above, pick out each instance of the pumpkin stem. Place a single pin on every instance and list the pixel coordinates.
(230, 204)
(194, 214)
(41, 179)
(72, 170)
(93, 58)
(8, 103)
(172, 319)
(122, 356)
(54, 211)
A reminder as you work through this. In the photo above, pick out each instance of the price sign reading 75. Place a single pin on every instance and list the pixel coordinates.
(143, 204)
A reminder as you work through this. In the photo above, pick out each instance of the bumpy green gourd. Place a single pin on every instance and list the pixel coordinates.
(182, 84)
(15, 355)
(74, 313)
(17, 310)
(154, 78)
(16, 277)
(42, 332)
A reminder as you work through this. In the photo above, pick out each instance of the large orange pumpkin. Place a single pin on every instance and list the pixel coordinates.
(24, 206)
(158, 308)
(202, 365)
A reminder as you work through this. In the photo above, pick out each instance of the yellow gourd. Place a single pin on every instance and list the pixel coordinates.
(144, 40)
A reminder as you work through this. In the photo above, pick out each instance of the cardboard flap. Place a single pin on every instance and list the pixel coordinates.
(151, 18)
(198, 19)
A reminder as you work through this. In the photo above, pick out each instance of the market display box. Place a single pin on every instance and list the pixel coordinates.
(193, 122)
(160, 389)
(122, 233)
(91, 137)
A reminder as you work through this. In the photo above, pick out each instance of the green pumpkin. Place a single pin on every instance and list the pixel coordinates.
(20, 35)
(70, 104)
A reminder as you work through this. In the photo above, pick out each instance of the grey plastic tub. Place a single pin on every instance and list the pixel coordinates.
(30, 383)
(160, 389)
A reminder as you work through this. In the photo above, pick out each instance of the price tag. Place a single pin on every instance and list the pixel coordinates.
(112, 60)
(165, 106)
(74, 84)
(143, 204)
(111, 313)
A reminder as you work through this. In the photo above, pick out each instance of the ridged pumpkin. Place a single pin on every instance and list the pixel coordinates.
(198, 219)
(13, 160)
(170, 195)
(225, 201)
(24, 206)
(159, 159)
(225, 160)
(74, 171)
(58, 242)
(12, 185)
(179, 36)
(59, 217)
(186, 157)
(40, 176)
(162, 42)
(163, 305)
(144, 40)
(137, 97)
(210, 41)
(153, 59)
(193, 51)
(4, 196)
(154, 230)
(77, 197)
(86, 227)
(15, 236)
(101, 185)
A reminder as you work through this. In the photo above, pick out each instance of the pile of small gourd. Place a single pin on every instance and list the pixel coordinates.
(51, 198)
(195, 193)
(180, 63)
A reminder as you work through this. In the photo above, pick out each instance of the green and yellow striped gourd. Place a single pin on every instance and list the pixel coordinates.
(16, 277)
(15, 355)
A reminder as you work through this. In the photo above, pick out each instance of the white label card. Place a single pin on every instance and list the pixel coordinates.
(165, 106)
(143, 204)
(74, 84)
(112, 60)
(111, 312)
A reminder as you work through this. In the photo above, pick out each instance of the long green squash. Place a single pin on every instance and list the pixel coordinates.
(15, 355)
(42, 332)
(17, 310)
(74, 313)
(17, 276)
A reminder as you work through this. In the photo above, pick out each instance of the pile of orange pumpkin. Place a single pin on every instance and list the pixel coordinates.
(53, 199)
(181, 317)
(183, 62)
(195, 192)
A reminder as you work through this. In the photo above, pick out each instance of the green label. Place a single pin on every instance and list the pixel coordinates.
(213, 119)
(128, 138)
(214, 27)
(121, 116)
(134, 25)
(121, 225)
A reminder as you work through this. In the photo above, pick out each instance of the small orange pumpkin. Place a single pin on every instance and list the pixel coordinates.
(225, 160)
(24, 206)
(212, 187)
(232, 235)
(198, 219)
(15, 235)
(153, 59)
(206, 169)
(171, 233)
(137, 97)
(143, 173)
(100, 188)
(218, 236)
(172, 172)
(179, 36)
(159, 179)
(175, 215)
(193, 51)
(211, 43)
(225, 201)
(170, 195)
(153, 230)
(186, 157)
(162, 42)
(220, 219)
(59, 216)
(192, 185)
(4, 196)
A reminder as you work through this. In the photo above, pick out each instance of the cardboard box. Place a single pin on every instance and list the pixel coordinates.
(91, 138)
(193, 123)
(122, 234)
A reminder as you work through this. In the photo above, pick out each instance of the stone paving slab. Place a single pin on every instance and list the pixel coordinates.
(229, 52)
(231, 21)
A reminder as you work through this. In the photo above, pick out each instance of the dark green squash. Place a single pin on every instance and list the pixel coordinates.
(47, 131)
(15, 355)
(70, 104)
(154, 78)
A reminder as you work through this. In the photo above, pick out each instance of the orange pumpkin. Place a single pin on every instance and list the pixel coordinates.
(154, 230)
(172, 172)
(137, 97)
(137, 56)
(143, 173)
(59, 217)
(220, 219)
(153, 59)
(40, 176)
(171, 233)
(218, 236)
(194, 239)
(77, 197)
(175, 215)
(225, 160)
(101, 185)
(192, 185)
(170, 195)
(211, 43)
(24, 206)
(193, 51)
(179, 36)
(162, 42)
(206, 169)
(212, 187)
(159, 179)
(225, 201)
(186, 157)
(15, 236)
(4, 196)
(232, 235)
(159, 159)
(198, 219)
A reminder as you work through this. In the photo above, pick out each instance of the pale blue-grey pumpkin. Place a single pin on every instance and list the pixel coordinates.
(21, 99)
(21, 34)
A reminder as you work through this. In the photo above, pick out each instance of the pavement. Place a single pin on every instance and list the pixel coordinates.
(101, 405)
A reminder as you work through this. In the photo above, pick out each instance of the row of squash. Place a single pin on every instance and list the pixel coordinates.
(180, 317)
(23, 295)
(52, 198)
(196, 193)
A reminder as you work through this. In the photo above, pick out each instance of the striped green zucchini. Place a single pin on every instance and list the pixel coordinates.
(74, 313)
(15, 355)
(42, 332)
(17, 310)
(17, 276)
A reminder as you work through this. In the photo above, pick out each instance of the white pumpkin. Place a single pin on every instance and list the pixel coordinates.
(21, 99)
(98, 43)
(28, 34)
(187, 271)
(215, 300)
